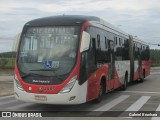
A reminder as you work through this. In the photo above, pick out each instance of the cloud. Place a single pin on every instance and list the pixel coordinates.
(137, 17)
(6, 45)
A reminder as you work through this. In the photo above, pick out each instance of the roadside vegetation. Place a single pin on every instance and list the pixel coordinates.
(155, 58)
(7, 61)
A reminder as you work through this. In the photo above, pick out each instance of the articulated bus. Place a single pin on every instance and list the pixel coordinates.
(73, 59)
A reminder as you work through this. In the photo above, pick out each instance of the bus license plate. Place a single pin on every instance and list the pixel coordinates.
(40, 98)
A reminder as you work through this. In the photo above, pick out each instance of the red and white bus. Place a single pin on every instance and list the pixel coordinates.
(74, 59)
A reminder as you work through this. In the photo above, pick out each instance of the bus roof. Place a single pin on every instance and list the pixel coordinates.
(76, 20)
(72, 20)
(62, 20)
(137, 40)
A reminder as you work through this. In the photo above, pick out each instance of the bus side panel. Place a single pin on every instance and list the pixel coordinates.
(136, 70)
(92, 87)
(117, 83)
(94, 82)
(144, 71)
(146, 67)
(136, 75)
(113, 83)
(122, 68)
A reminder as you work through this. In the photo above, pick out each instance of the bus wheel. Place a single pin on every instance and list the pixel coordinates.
(124, 86)
(100, 95)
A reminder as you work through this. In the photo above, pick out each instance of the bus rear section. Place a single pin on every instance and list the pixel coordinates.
(142, 61)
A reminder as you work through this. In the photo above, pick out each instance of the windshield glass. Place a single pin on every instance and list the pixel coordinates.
(48, 51)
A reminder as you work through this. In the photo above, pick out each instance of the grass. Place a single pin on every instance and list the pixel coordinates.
(7, 63)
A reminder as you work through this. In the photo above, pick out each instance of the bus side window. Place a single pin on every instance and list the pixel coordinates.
(109, 51)
(111, 58)
(98, 42)
(106, 43)
(125, 53)
(94, 49)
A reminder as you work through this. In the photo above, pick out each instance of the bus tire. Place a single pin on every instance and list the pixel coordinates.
(101, 92)
(124, 86)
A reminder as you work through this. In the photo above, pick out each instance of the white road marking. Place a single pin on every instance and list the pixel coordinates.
(156, 118)
(142, 92)
(109, 105)
(138, 104)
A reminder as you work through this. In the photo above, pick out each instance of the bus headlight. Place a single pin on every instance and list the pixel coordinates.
(69, 85)
(18, 84)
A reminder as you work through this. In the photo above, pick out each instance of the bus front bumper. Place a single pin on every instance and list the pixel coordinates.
(76, 96)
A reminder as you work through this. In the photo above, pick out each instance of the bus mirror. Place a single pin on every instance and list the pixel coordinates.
(85, 41)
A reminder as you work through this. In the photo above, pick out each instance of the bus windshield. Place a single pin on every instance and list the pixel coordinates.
(48, 51)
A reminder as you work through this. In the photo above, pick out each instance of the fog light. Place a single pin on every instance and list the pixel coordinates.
(72, 98)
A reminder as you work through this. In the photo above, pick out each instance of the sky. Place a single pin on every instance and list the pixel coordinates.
(139, 18)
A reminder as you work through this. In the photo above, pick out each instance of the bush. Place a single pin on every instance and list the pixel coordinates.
(7, 63)
(3, 62)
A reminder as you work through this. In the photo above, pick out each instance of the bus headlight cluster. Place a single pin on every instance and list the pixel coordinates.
(18, 84)
(69, 85)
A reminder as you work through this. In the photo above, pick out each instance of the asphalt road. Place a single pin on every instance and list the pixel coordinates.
(138, 97)
(6, 85)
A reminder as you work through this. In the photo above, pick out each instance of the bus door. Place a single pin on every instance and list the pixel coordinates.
(111, 64)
